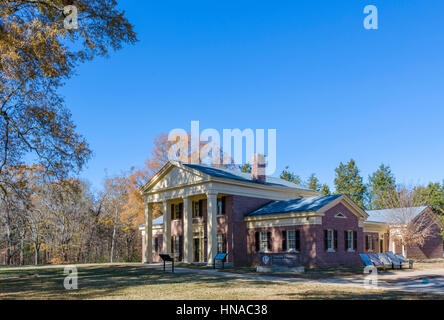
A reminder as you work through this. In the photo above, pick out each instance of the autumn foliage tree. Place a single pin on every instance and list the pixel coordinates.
(37, 54)
(37, 134)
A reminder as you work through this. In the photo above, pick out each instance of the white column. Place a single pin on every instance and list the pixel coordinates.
(187, 230)
(211, 227)
(166, 248)
(148, 232)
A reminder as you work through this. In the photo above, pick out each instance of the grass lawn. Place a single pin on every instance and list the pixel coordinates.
(324, 273)
(128, 281)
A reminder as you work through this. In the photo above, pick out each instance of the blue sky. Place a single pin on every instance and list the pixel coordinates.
(307, 68)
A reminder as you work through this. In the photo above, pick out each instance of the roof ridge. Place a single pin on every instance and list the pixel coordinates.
(247, 176)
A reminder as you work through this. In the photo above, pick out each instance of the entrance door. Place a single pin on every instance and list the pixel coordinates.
(196, 249)
(381, 245)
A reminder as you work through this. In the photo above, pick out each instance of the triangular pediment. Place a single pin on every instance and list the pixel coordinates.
(175, 176)
(350, 204)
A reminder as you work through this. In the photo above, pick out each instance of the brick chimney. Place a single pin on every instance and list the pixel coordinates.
(258, 168)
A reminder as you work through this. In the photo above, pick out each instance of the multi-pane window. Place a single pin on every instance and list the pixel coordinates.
(291, 240)
(330, 239)
(350, 240)
(263, 241)
(197, 206)
(369, 242)
(176, 211)
(221, 243)
(175, 248)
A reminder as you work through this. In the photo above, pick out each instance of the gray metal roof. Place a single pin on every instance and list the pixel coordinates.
(241, 176)
(384, 214)
(294, 205)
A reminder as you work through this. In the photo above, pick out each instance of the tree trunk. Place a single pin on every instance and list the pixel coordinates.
(22, 249)
(8, 245)
(36, 253)
(114, 236)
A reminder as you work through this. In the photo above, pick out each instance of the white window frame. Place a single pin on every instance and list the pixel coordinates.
(220, 243)
(291, 241)
(177, 211)
(350, 241)
(196, 213)
(153, 244)
(331, 240)
(263, 241)
(175, 250)
(369, 239)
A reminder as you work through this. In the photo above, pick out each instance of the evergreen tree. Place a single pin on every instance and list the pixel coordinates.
(349, 182)
(432, 195)
(290, 176)
(380, 183)
(313, 183)
(325, 190)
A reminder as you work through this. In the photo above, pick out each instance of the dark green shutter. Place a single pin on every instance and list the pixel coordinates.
(325, 240)
(298, 240)
(345, 240)
(200, 208)
(336, 239)
(257, 238)
(269, 240)
(355, 240)
(284, 240)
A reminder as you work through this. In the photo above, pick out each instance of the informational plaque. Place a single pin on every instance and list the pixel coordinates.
(220, 257)
(279, 262)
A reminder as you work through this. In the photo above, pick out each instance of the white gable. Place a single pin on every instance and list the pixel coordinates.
(177, 177)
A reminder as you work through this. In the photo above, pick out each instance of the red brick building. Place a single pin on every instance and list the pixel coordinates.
(209, 210)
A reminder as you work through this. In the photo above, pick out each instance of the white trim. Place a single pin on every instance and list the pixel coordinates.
(332, 240)
(217, 185)
(284, 222)
(340, 215)
(345, 200)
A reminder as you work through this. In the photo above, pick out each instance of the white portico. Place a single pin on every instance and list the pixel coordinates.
(187, 184)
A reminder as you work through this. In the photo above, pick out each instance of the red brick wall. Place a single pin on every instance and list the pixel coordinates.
(240, 206)
(232, 224)
(156, 257)
(341, 256)
(307, 253)
(313, 251)
(432, 248)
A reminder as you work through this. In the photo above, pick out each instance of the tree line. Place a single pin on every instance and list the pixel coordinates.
(46, 214)
(381, 191)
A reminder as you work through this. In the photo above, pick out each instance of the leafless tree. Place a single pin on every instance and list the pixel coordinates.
(410, 225)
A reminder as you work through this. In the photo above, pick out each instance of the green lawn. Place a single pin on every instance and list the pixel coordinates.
(324, 273)
(133, 282)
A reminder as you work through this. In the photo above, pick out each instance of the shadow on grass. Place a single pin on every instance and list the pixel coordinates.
(98, 282)
(95, 282)
(312, 274)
